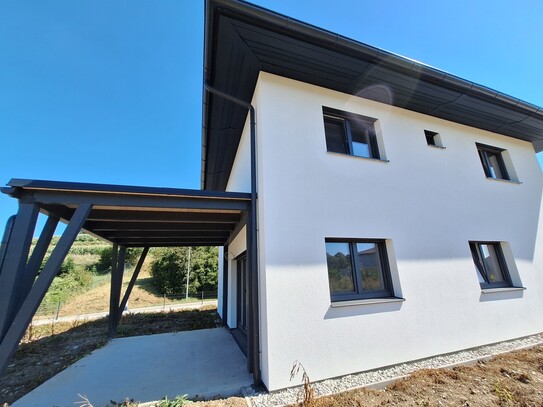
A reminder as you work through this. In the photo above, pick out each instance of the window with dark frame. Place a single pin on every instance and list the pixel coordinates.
(492, 161)
(349, 133)
(490, 264)
(431, 138)
(358, 269)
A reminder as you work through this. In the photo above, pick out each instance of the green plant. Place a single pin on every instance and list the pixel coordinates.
(178, 401)
(103, 265)
(505, 396)
(68, 266)
(169, 270)
(126, 403)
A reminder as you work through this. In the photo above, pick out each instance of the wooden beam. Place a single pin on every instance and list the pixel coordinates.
(117, 271)
(13, 267)
(131, 283)
(38, 254)
(9, 342)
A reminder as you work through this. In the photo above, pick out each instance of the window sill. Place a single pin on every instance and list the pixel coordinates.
(508, 181)
(358, 156)
(501, 289)
(366, 302)
(439, 147)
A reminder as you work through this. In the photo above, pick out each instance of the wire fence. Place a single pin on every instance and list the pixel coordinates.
(58, 310)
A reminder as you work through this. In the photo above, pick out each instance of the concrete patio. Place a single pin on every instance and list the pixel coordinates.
(147, 368)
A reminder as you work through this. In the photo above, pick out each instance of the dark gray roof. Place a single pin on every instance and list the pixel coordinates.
(134, 216)
(242, 39)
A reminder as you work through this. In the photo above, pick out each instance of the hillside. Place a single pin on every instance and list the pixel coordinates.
(83, 283)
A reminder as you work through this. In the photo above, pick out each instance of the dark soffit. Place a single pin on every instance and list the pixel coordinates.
(242, 39)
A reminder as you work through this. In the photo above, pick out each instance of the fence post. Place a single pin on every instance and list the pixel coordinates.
(58, 310)
(202, 298)
(164, 303)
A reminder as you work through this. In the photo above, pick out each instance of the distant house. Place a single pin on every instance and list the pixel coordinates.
(399, 207)
(370, 210)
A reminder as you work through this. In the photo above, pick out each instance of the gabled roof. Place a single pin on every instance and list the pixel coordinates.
(242, 39)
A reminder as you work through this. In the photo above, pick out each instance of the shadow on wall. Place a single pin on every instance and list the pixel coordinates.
(367, 309)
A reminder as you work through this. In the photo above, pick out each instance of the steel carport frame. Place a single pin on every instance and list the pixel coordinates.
(126, 216)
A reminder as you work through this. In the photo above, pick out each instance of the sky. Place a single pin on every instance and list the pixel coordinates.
(110, 91)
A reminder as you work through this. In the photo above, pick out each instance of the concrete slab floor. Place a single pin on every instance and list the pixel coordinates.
(146, 368)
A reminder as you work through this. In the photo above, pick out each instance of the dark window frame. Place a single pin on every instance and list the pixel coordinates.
(476, 254)
(348, 120)
(485, 153)
(359, 294)
(431, 138)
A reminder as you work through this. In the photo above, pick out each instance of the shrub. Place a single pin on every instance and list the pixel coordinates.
(68, 266)
(169, 272)
(104, 262)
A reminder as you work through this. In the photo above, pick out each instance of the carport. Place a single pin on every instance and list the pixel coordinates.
(126, 216)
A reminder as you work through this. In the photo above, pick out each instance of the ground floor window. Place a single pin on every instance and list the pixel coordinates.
(490, 264)
(358, 269)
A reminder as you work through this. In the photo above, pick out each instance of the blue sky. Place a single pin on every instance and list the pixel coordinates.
(110, 91)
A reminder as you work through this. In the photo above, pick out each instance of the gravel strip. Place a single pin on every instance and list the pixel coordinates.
(374, 377)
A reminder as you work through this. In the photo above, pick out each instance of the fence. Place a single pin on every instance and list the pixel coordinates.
(57, 310)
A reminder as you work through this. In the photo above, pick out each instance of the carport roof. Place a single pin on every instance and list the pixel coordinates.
(134, 216)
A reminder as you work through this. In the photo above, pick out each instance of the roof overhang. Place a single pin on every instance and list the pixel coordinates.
(140, 216)
(242, 39)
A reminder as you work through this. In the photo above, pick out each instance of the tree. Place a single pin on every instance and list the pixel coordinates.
(106, 254)
(169, 270)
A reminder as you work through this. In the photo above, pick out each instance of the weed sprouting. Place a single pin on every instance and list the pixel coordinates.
(505, 396)
(308, 392)
(178, 401)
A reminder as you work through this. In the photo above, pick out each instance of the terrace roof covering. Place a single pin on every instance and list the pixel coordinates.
(140, 216)
(127, 216)
(242, 39)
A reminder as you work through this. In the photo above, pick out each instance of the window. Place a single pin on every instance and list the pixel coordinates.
(490, 263)
(357, 269)
(349, 133)
(492, 160)
(433, 138)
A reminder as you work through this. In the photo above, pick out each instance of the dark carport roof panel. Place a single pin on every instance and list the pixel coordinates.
(141, 216)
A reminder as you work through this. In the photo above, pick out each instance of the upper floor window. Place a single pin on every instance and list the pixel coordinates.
(358, 269)
(492, 161)
(350, 133)
(433, 139)
(490, 263)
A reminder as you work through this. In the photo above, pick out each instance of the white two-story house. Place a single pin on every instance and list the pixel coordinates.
(398, 207)
(370, 210)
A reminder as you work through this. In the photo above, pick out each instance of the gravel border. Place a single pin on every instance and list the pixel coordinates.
(380, 378)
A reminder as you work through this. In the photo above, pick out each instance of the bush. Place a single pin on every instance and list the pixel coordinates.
(66, 286)
(68, 266)
(104, 262)
(169, 270)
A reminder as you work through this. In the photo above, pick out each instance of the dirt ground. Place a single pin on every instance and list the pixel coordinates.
(512, 379)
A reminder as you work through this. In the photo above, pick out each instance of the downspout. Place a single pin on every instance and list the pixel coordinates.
(252, 249)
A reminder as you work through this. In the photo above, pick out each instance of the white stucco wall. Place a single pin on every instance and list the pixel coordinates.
(427, 202)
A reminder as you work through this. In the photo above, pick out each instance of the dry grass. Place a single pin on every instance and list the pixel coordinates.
(97, 299)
